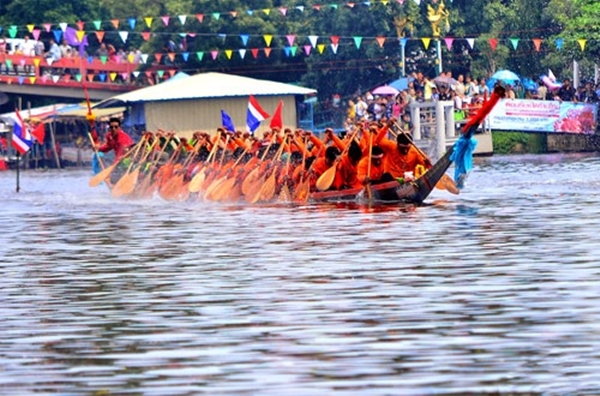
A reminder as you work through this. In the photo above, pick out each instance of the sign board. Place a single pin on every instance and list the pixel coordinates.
(543, 116)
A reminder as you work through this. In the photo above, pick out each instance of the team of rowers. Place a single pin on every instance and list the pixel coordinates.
(230, 166)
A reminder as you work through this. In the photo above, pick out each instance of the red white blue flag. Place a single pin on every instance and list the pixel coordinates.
(21, 138)
(255, 114)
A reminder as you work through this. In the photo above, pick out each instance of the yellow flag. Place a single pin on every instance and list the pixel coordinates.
(228, 53)
(582, 43)
(148, 21)
(113, 75)
(268, 38)
(30, 27)
(80, 34)
(36, 62)
(130, 58)
(384, 2)
(321, 48)
(267, 11)
(32, 80)
(426, 41)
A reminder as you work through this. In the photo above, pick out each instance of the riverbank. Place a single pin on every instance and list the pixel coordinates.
(512, 142)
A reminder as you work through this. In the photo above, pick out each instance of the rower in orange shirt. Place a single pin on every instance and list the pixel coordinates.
(377, 172)
(347, 168)
(400, 156)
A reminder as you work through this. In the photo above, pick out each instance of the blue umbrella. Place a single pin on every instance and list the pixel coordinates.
(506, 76)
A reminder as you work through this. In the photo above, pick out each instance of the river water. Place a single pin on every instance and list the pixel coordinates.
(494, 290)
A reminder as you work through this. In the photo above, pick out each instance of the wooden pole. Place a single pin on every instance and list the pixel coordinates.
(18, 166)
(56, 158)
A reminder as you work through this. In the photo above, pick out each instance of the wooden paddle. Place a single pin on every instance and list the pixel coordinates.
(199, 178)
(103, 175)
(325, 181)
(122, 187)
(446, 182)
(368, 185)
(223, 190)
(264, 188)
(129, 180)
(146, 187)
(250, 182)
(284, 193)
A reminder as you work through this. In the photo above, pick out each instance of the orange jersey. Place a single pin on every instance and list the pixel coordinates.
(346, 174)
(396, 163)
(363, 170)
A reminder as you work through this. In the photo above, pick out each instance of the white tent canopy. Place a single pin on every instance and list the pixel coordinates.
(204, 86)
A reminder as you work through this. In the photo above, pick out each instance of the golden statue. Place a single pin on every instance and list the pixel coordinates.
(401, 24)
(436, 17)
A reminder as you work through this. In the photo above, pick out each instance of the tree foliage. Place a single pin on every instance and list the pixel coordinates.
(351, 69)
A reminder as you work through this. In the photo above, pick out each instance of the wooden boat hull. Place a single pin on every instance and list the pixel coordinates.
(415, 191)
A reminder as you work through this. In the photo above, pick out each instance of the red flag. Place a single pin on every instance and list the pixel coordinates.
(277, 119)
(39, 132)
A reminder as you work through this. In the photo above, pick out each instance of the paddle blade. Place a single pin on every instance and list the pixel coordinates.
(197, 181)
(284, 195)
(124, 186)
(325, 181)
(302, 191)
(446, 183)
(267, 191)
(103, 175)
(224, 189)
(249, 182)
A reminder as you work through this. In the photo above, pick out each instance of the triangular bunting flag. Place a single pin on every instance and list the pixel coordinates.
(103, 59)
(214, 54)
(200, 17)
(321, 48)
(307, 49)
(115, 23)
(12, 31)
(287, 51)
(171, 72)
(100, 35)
(559, 43)
(333, 6)
(582, 43)
(267, 11)
(471, 42)
(426, 41)
(80, 34)
(146, 36)
(63, 26)
(135, 74)
(97, 24)
(290, 39)
(112, 76)
(148, 21)
(537, 42)
(283, 11)
(171, 56)
(242, 53)
(334, 48)
(78, 77)
(131, 21)
(350, 5)
(47, 27)
(233, 14)
(182, 19)
(335, 39)
(268, 38)
(36, 34)
(317, 7)
(216, 16)
(380, 40)
(102, 77)
(57, 35)
(300, 8)
(449, 41)
(160, 73)
(185, 56)
(357, 41)
(90, 59)
(90, 77)
(493, 43)
(55, 78)
(144, 58)
(254, 52)
(30, 27)
(149, 74)
(244, 38)
(228, 53)
(9, 63)
(200, 55)
(165, 19)
(67, 77)
(267, 51)
(36, 62)
(21, 80)
(125, 76)
(130, 57)
(313, 40)
(293, 50)
(403, 41)
(515, 43)
(250, 12)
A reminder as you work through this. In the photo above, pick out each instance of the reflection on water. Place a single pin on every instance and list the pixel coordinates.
(495, 290)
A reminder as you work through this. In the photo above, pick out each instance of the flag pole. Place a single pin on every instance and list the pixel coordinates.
(18, 166)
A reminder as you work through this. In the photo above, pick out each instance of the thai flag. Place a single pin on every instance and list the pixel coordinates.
(255, 115)
(21, 138)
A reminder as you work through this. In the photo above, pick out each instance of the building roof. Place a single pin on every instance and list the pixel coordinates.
(204, 86)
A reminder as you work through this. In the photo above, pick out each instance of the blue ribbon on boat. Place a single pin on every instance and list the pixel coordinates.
(463, 158)
(96, 167)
